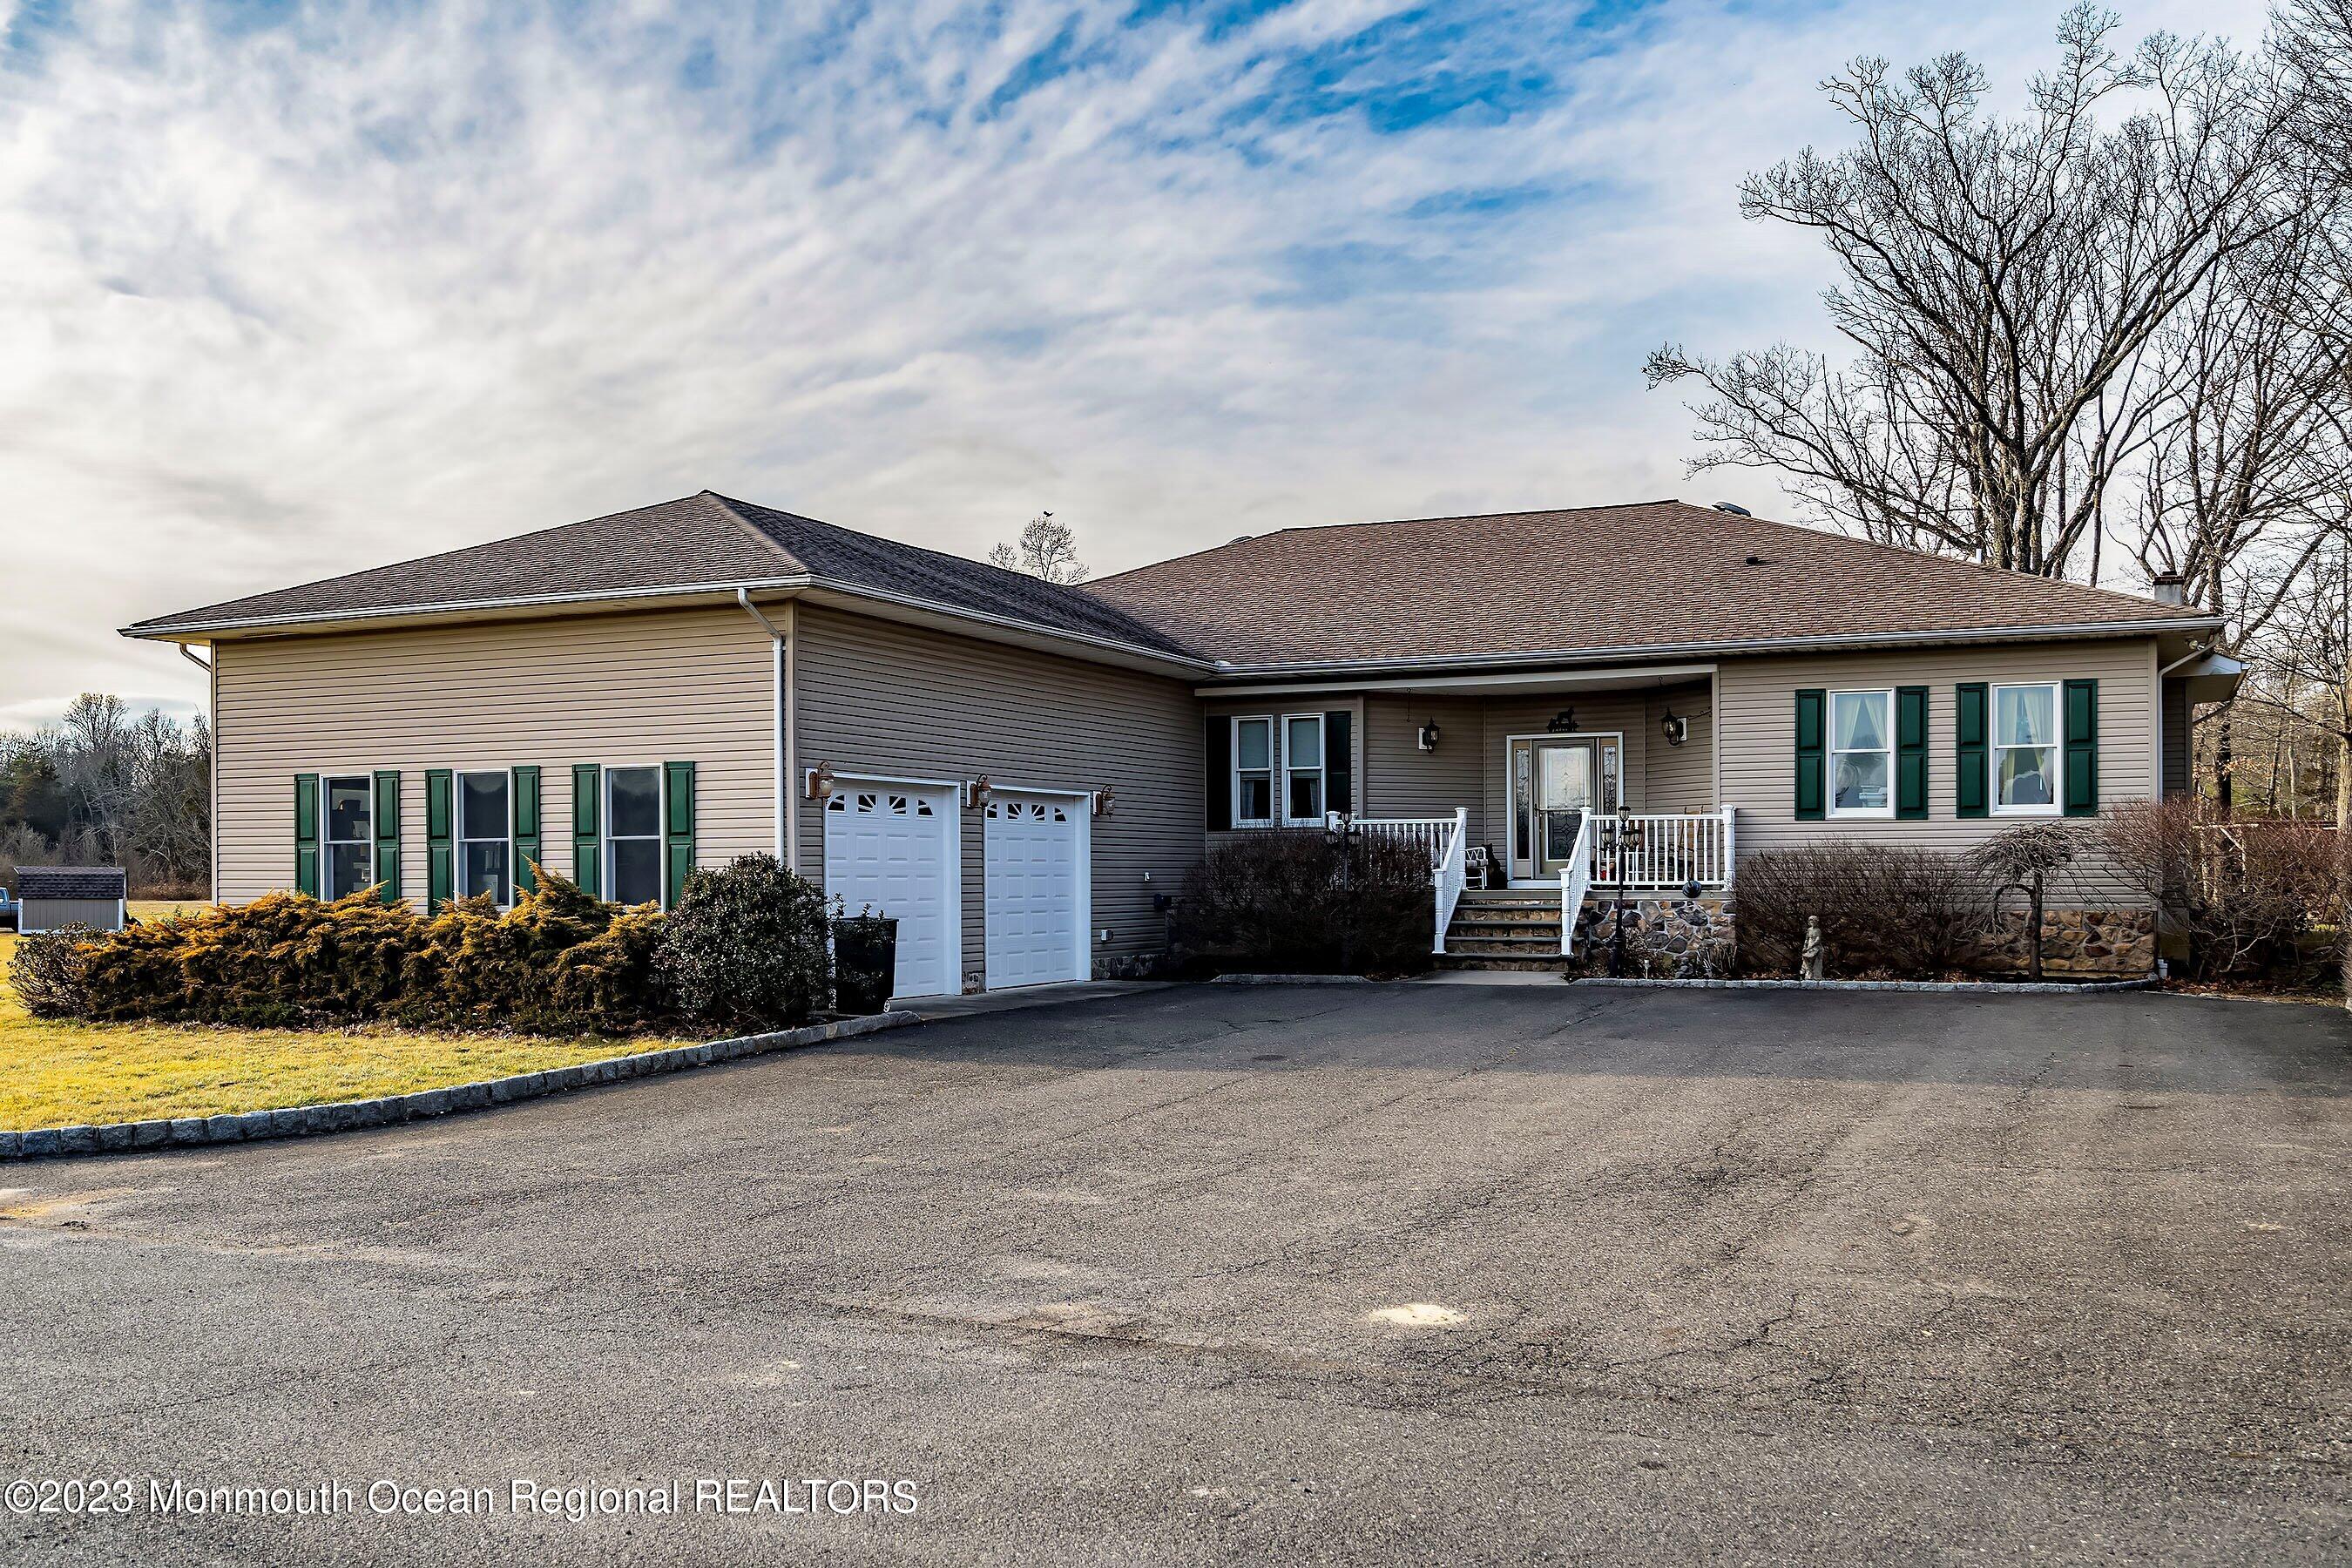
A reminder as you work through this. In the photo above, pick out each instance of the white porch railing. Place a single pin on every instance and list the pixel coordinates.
(1447, 841)
(1575, 879)
(1656, 850)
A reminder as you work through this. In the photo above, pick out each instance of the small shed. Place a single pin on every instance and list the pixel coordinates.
(53, 897)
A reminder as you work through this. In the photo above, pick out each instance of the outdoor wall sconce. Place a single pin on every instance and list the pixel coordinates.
(1429, 736)
(820, 781)
(1102, 808)
(976, 792)
(1563, 723)
(1677, 728)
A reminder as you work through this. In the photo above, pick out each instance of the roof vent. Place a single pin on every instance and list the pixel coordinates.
(1241, 539)
(1756, 560)
(1733, 507)
(2167, 587)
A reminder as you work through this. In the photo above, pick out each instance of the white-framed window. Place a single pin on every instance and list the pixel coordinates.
(486, 835)
(2027, 762)
(347, 807)
(1862, 753)
(1254, 772)
(632, 836)
(1302, 768)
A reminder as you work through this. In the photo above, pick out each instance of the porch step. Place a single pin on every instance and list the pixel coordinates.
(1504, 920)
(1544, 895)
(1545, 946)
(1555, 964)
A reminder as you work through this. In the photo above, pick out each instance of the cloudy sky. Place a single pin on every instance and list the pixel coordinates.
(288, 291)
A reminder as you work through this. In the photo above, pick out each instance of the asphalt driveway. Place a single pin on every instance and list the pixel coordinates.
(1221, 1274)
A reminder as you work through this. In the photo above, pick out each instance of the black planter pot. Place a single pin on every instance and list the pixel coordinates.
(865, 960)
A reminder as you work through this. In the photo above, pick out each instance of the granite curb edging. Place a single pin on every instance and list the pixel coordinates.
(1292, 980)
(349, 1115)
(1968, 987)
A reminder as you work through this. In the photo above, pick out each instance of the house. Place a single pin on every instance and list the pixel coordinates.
(1631, 697)
(51, 898)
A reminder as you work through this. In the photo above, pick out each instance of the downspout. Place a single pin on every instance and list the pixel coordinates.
(788, 836)
(212, 769)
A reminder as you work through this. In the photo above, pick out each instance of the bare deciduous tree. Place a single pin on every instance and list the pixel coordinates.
(2002, 281)
(1046, 550)
(104, 787)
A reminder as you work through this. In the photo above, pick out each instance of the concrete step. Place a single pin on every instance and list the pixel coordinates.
(1522, 932)
(1554, 964)
(1486, 916)
(1503, 946)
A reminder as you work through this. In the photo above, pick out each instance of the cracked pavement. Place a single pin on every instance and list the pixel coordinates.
(1730, 1276)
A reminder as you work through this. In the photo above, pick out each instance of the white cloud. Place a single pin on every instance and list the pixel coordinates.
(292, 301)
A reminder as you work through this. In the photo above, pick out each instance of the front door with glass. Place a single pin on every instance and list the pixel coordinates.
(1555, 784)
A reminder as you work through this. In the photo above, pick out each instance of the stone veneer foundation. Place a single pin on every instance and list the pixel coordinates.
(1693, 939)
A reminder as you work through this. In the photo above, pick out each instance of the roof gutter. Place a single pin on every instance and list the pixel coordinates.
(1472, 662)
(458, 606)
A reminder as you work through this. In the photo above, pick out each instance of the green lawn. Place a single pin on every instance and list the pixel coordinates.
(56, 1074)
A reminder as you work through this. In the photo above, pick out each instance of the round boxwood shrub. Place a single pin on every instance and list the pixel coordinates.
(745, 946)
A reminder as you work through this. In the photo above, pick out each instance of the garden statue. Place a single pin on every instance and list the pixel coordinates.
(1816, 954)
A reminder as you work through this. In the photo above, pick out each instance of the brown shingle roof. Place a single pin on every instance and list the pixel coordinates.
(1654, 574)
(702, 539)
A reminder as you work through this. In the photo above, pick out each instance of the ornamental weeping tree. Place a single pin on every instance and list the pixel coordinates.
(2000, 280)
(2022, 859)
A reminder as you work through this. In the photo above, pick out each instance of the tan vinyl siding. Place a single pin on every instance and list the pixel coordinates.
(687, 685)
(1680, 778)
(1399, 779)
(1755, 710)
(883, 698)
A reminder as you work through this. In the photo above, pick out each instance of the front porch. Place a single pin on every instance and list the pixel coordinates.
(1483, 912)
(1529, 791)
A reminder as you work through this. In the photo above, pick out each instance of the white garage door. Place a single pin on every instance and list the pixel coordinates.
(889, 847)
(1036, 892)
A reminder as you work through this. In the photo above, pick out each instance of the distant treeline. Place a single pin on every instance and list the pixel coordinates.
(106, 787)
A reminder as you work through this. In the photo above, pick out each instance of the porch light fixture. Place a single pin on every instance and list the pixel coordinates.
(1677, 728)
(1102, 808)
(1429, 736)
(976, 792)
(1563, 723)
(820, 781)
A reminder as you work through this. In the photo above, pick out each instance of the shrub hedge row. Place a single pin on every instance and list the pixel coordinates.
(744, 948)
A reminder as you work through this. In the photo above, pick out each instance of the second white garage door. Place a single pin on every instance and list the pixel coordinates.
(1037, 896)
(891, 847)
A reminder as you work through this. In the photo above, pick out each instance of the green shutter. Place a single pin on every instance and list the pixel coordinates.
(1971, 727)
(1813, 722)
(388, 834)
(2081, 748)
(677, 797)
(526, 828)
(440, 853)
(306, 834)
(587, 798)
(1220, 780)
(1911, 753)
(1339, 760)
